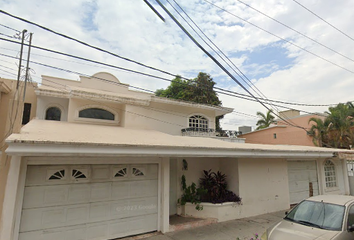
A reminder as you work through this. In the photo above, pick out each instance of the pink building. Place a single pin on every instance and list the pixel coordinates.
(283, 133)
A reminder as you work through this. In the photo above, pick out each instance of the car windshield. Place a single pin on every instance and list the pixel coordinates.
(318, 214)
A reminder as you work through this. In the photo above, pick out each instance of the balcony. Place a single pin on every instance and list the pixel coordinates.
(226, 135)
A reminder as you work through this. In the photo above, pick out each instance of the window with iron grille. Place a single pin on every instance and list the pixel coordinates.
(330, 174)
(199, 123)
(53, 113)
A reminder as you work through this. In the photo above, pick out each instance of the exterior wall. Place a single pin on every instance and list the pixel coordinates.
(285, 134)
(43, 103)
(263, 185)
(6, 102)
(172, 118)
(196, 167)
(229, 166)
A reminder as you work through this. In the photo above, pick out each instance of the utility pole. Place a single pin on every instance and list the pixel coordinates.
(27, 66)
(20, 61)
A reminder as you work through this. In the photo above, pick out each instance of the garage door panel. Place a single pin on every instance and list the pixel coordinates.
(96, 231)
(77, 215)
(301, 175)
(101, 191)
(79, 193)
(45, 196)
(143, 188)
(91, 208)
(121, 190)
(298, 186)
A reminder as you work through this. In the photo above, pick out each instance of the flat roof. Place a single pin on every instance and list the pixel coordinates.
(44, 132)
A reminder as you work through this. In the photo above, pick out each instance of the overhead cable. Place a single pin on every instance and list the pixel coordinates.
(283, 39)
(324, 20)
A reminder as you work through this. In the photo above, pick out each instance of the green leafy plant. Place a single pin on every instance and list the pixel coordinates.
(191, 194)
(216, 186)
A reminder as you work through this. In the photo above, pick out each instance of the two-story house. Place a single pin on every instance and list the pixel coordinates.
(102, 161)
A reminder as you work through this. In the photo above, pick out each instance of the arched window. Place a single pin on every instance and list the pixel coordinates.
(53, 113)
(96, 113)
(198, 123)
(330, 174)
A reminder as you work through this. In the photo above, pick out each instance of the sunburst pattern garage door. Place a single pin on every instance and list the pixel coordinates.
(89, 202)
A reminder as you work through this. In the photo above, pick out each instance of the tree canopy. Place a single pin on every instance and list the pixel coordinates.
(198, 90)
(265, 120)
(337, 130)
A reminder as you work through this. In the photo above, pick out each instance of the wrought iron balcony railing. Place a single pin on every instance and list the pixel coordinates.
(193, 131)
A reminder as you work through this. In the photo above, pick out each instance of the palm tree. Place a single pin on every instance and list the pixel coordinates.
(340, 124)
(318, 131)
(265, 120)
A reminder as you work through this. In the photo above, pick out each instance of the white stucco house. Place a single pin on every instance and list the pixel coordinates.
(102, 161)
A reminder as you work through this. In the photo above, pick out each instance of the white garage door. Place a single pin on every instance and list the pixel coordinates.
(89, 202)
(302, 180)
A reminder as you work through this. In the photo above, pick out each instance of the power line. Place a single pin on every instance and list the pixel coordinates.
(240, 73)
(86, 44)
(283, 39)
(243, 96)
(112, 82)
(216, 61)
(324, 20)
(10, 28)
(165, 79)
(9, 36)
(298, 32)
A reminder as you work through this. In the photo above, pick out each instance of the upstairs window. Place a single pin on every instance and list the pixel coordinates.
(96, 113)
(199, 123)
(330, 174)
(53, 113)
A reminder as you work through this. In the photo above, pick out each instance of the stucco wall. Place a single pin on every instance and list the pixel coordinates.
(196, 167)
(229, 166)
(173, 118)
(263, 185)
(6, 103)
(43, 103)
(285, 134)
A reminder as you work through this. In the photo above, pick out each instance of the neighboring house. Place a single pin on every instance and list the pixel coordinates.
(283, 133)
(102, 161)
(14, 113)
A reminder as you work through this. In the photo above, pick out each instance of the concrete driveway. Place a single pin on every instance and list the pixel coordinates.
(230, 230)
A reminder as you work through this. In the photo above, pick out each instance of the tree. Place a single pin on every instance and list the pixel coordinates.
(265, 120)
(198, 90)
(318, 131)
(340, 125)
(337, 130)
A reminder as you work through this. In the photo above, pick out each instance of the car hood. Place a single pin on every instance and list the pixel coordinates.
(294, 231)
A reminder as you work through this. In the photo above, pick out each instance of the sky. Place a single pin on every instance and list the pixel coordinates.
(309, 62)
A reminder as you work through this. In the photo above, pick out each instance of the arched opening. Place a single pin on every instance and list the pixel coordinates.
(96, 113)
(53, 113)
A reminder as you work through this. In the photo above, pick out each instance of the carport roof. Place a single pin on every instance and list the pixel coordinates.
(65, 138)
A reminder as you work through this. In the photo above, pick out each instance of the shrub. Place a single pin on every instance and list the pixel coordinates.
(191, 194)
(216, 188)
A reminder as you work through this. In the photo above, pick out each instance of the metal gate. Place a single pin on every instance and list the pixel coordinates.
(350, 166)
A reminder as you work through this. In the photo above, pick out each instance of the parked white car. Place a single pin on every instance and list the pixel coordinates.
(321, 217)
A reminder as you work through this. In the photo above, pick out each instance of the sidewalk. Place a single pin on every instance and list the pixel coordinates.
(230, 230)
